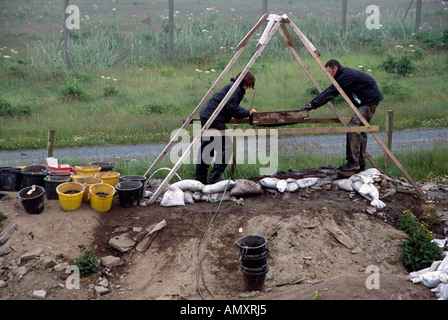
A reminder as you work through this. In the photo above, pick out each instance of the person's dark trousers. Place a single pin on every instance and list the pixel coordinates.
(357, 141)
(210, 145)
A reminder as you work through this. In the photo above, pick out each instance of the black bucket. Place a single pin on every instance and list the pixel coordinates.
(34, 175)
(142, 179)
(251, 245)
(33, 203)
(129, 193)
(255, 261)
(51, 183)
(105, 166)
(254, 278)
(10, 179)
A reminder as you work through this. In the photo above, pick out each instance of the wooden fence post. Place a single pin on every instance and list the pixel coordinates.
(50, 143)
(233, 167)
(388, 134)
(344, 16)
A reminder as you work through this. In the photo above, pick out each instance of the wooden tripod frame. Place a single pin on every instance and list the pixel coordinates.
(275, 23)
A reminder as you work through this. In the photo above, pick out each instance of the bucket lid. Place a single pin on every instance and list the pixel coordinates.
(129, 185)
(251, 242)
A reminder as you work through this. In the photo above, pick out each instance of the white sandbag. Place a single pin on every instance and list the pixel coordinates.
(213, 197)
(357, 185)
(173, 197)
(189, 185)
(345, 184)
(291, 187)
(306, 182)
(269, 182)
(244, 186)
(281, 185)
(188, 197)
(362, 178)
(218, 186)
(372, 173)
(431, 279)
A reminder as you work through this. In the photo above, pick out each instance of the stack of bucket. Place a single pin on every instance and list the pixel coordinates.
(253, 261)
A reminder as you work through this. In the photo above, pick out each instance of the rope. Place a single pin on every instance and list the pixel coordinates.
(202, 240)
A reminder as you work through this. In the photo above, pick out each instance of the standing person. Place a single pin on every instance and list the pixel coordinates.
(363, 91)
(211, 144)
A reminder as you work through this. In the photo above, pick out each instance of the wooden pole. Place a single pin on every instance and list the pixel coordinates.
(418, 15)
(213, 116)
(344, 16)
(388, 133)
(50, 143)
(233, 167)
(171, 27)
(355, 110)
(68, 63)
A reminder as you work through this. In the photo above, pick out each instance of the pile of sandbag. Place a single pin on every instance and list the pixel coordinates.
(363, 183)
(434, 277)
(287, 185)
(191, 191)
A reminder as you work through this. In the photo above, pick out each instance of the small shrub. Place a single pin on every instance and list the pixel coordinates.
(419, 251)
(110, 91)
(402, 65)
(8, 109)
(73, 90)
(88, 263)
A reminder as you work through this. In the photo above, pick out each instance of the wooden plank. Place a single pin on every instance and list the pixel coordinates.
(355, 110)
(284, 131)
(277, 117)
(207, 96)
(212, 117)
(304, 120)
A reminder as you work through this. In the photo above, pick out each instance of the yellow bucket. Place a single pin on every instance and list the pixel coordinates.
(110, 177)
(101, 196)
(75, 176)
(87, 181)
(87, 169)
(70, 195)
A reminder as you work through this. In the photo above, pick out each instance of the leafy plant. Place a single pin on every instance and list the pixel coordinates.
(88, 263)
(419, 251)
(73, 90)
(400, 65)
(110, 91)
(8, 109)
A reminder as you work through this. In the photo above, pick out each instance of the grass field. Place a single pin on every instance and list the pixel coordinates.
(124, 88)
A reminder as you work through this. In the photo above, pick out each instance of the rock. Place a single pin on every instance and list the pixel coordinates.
(5, 249)
(104, 282)
(48, 263)
(3, 284)
(61, 266)
(398, 236)
(111, 261)
(122, 243)
(39, 294)
(7, 234)
(20, 271)
(32, 254)
(101, 290)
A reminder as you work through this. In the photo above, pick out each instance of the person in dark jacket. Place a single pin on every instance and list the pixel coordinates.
(209, 145)
(363, 91)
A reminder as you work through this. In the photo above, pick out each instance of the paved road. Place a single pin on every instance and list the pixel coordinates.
(404, 140)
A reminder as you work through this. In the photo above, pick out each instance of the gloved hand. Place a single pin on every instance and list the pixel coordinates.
(308, 107)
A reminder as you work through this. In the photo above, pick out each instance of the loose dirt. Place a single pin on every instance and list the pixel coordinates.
(302, 230)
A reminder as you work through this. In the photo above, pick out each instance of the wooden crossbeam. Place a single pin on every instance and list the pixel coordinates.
(302, 120)
(285, 131)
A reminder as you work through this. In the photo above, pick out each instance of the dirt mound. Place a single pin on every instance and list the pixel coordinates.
(324, 236)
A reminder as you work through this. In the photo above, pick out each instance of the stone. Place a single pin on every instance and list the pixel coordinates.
(3, 284)
(39, 294)
(7, 234)
(122, 242)
(31, 254)
(101, 290)
(5, 249)
(111, 261)
(61, 266)
(48, 263)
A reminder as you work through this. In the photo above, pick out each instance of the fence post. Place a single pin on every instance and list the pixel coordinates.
(171, 27)
(344, 15)
(233, 167)
(418, 15)
(66, 37)
(388, 133)
(50, 143)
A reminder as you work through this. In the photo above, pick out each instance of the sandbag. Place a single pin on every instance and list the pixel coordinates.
(306, 182)
(244, 186)
(292, 186)
(218, 186)
(345, 184)
(281, 185)
(213, 197)
(189, 185)
(269, 182)
(188, 197)
(173, 197)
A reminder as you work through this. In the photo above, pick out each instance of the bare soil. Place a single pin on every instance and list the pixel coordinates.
(297, 226)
